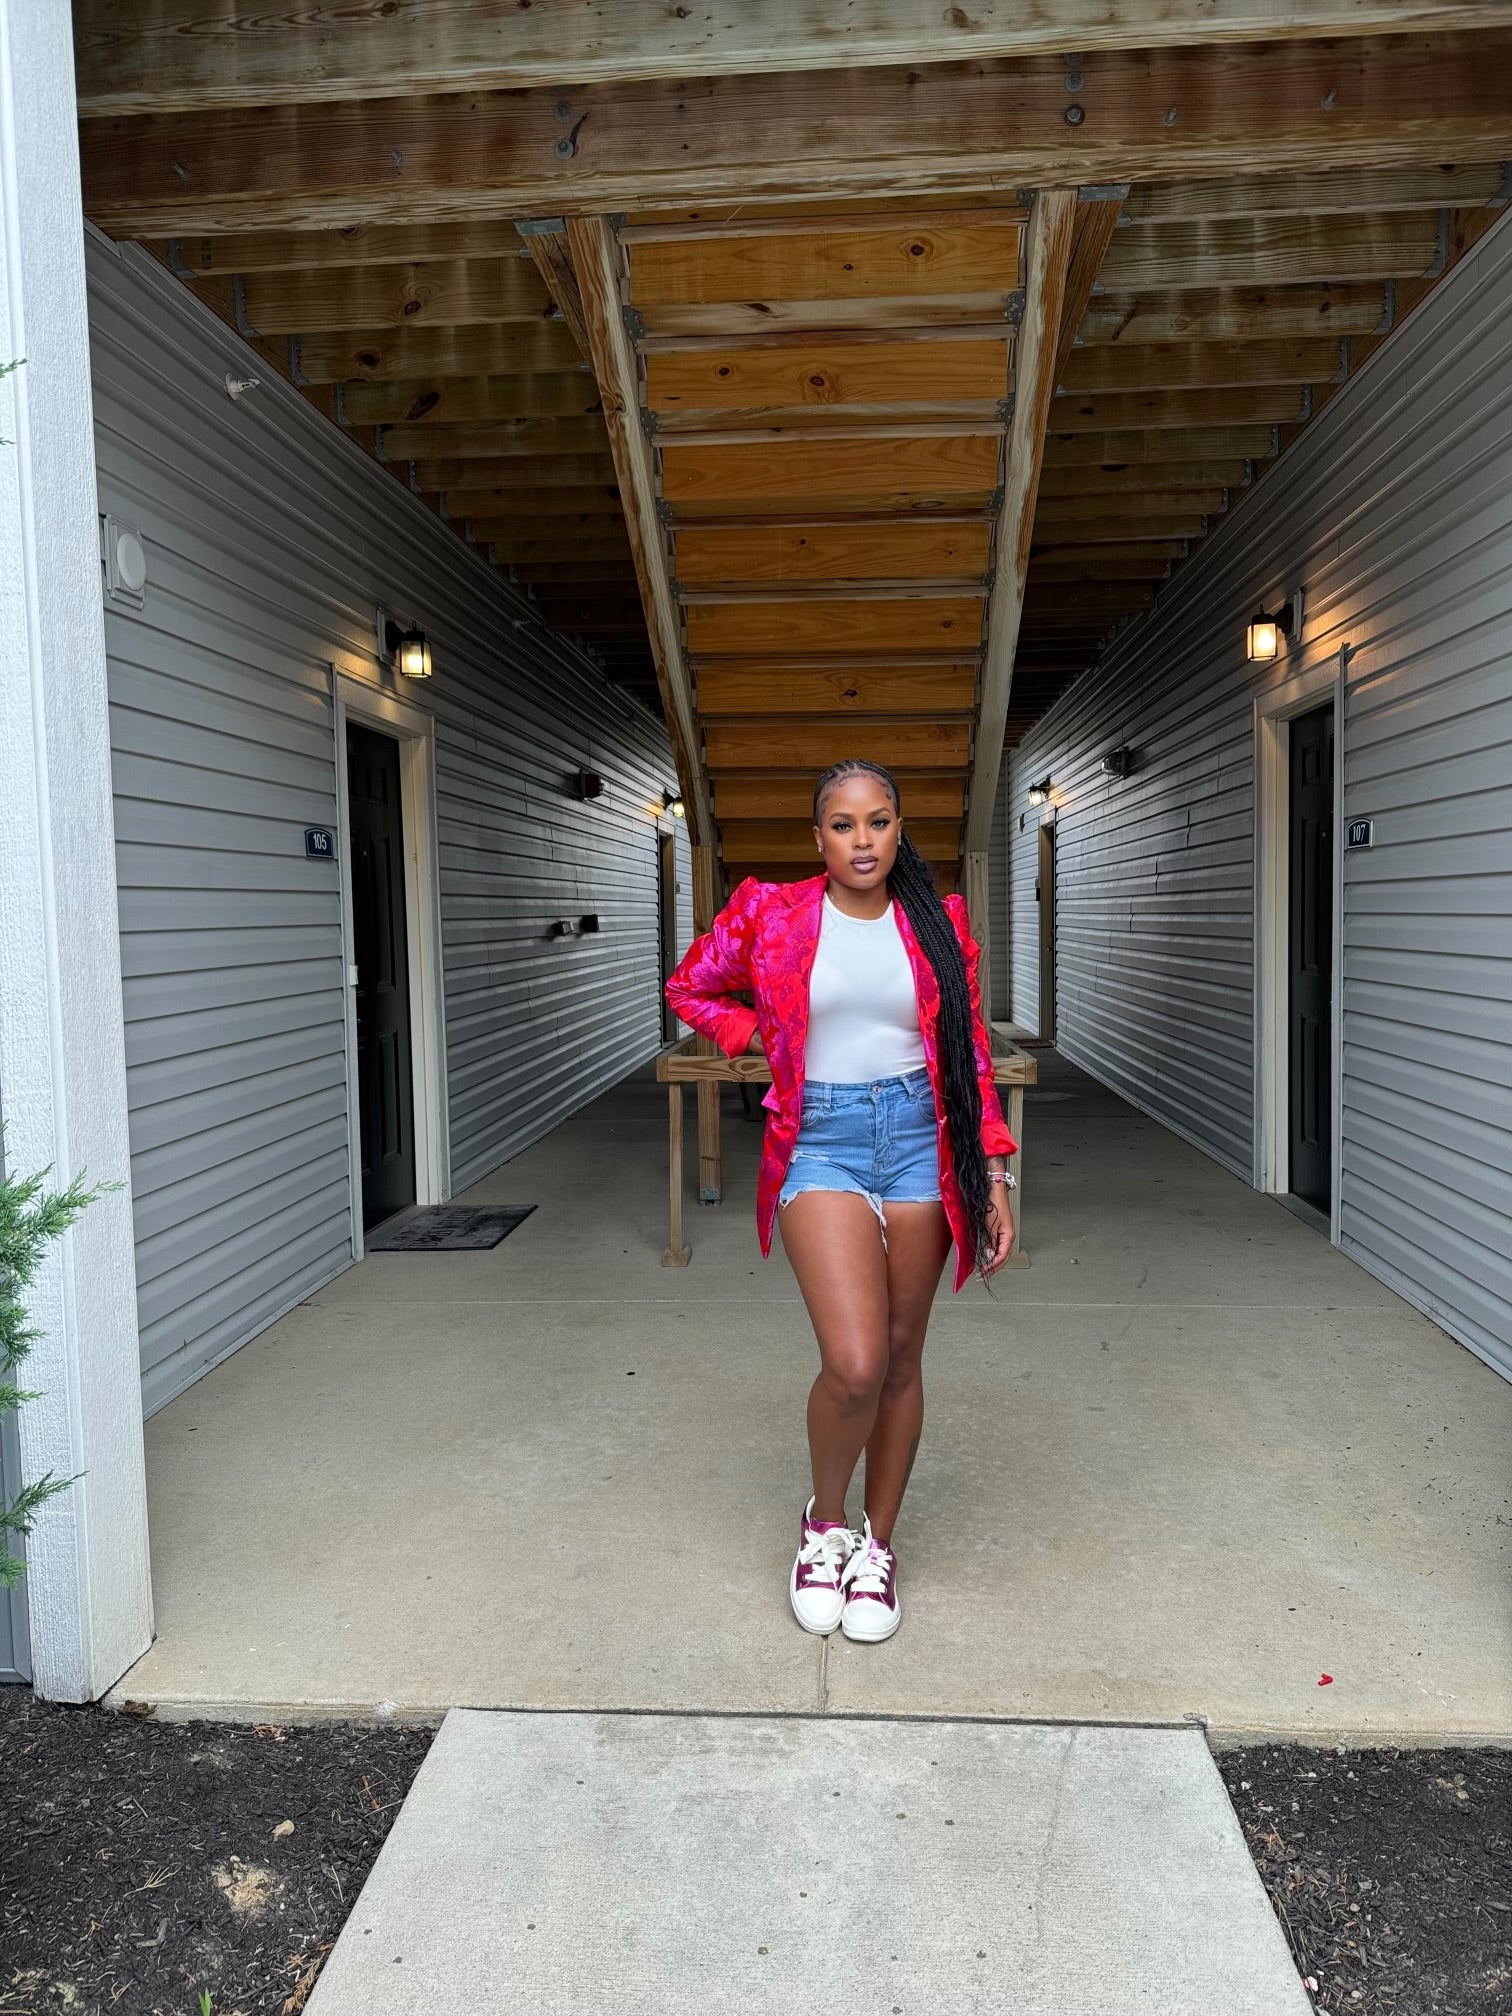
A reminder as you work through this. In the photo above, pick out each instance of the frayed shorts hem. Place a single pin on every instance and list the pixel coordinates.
(842, 1189)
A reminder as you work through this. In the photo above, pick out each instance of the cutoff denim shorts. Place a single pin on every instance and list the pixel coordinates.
(877, 1140)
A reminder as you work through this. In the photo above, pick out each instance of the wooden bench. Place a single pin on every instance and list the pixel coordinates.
(695, 1061)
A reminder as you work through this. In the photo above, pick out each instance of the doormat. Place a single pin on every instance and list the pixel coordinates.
(448, 1228)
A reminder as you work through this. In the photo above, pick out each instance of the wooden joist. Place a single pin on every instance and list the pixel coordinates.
(786, 840)
(1148, 115)
(521, 476)
(812, 745)
(785, 688)
(1254, 251)
(1183, 366)
(545, 240)
(1159, 444)
(1236, 314)
(452, 292)
(946, 624)
(1330, 193)
(543, 395)
(828, 372)
(974, 254)
(775, 796)
(1137, 479)
(483, 349)
(1051, 232)
(1114, 412)
(927, 549)
(493, 440)
(172, 55)
(944, 469)
(1095, 225)
(597, 266)
(1125, 520)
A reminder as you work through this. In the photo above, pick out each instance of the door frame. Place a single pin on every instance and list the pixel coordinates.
(1274, 711)
(415, 732)
(1045, 920)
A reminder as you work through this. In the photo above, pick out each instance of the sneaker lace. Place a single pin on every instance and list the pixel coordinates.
(828, 1552)
(868, 1570)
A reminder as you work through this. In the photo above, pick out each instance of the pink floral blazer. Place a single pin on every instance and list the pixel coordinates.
(763, 942)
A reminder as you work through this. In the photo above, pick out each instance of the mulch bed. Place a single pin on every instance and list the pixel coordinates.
(1390, 1871)
(146, 1863)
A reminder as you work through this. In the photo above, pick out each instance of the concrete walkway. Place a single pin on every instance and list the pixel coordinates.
(1187, 1463)
(634, 1865)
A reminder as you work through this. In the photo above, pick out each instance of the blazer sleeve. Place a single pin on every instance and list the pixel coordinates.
(996, 1140)
(717, 966)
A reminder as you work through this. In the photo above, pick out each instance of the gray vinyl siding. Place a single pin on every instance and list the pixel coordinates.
(1393, 512)
(270, 541)
(995, 984)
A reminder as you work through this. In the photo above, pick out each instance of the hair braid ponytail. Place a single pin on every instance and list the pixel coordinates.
(912, 887)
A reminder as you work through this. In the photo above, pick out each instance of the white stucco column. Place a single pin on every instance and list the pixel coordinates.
(62, 1062)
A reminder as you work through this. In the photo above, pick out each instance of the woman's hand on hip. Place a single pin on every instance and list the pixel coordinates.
(755, 1048)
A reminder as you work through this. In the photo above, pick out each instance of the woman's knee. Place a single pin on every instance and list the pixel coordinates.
(905, 1366)
(854, 1381)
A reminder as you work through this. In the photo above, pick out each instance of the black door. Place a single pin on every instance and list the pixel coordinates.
(385, 1115)
(666, 892)
(1310, 934)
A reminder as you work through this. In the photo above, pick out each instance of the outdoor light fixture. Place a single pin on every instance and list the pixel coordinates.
(1262, 637)
(672, 804)
(1039, 794)
(588, 784)
(1117, 762)
(409, 650)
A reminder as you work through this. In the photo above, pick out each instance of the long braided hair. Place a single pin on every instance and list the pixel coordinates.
(911, 885)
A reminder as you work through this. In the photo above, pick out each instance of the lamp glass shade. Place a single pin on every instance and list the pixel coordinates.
(1039, 794)
(1262, 640)
(414, 656)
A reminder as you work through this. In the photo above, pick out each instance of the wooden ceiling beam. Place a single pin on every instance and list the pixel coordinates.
(535, 481)
(768, 794)
(1175, 520)
(1235, 314)
(453, 292)
(941, 469)
(493, 440)
(166, 55)
(434, 401)
(545, 239)
(1124, 412)
(949, 623)
(927, 690)
(1052, 227)
(795, 553)
(1138, 479)
(476, 349)
(1284, 251)
(1329, 193)
(598, 267)
(1131, 445)
(1148, 115)
(1068, 512)
(1180, 367)
(828, 372)
(1095, 225)
(201, 256)
(787, 840)
(813, 744)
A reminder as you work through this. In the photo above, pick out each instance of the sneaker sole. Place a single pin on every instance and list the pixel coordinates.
(872, 1637)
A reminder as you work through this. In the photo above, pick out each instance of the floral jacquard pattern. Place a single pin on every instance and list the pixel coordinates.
(762, 943)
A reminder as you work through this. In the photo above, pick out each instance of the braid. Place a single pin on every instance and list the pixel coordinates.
(912, 887)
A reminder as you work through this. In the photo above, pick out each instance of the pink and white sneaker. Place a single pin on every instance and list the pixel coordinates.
(815, 1587)
(872, 1611)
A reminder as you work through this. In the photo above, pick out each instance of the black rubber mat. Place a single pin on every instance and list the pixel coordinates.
(447, 1228)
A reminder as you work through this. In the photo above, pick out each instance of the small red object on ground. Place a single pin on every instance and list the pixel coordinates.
(1326, 1680)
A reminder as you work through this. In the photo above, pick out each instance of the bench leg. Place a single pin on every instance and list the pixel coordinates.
(677, 1254)
(710, 1176)
(1018, 1257)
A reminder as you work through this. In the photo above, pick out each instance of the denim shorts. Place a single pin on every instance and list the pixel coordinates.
(877, 1140)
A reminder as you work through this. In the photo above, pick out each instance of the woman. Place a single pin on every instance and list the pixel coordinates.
(885, 1144)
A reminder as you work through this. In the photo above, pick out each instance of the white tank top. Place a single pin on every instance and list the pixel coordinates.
(863, 1010)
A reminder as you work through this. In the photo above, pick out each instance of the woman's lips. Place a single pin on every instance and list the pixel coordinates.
(863, 861)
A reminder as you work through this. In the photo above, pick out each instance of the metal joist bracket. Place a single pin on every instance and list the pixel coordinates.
(1306, 412)
(635, 324)
(1004, 409)
(176, 260)
(540, 227)
(1016, 306)
(1343, 371)
(1441, 255)
(1103, 192)
(650, 423)
(1388, 309)
(239, 306)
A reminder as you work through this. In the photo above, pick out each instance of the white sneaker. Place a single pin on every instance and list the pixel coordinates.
(815, 1587)
(872, 1611)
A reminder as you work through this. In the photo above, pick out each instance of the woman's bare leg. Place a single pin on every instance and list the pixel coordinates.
(918, 1243)
(835, 1245)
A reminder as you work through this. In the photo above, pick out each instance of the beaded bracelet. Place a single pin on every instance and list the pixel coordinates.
(1003, 1176)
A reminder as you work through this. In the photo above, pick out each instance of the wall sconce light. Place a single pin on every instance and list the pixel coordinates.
(408, 649)
(672, 804)
(1039, 794)
(1262, 637)
(588, 784)
(1117, 762)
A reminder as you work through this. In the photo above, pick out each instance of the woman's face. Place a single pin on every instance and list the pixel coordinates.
(858, 831)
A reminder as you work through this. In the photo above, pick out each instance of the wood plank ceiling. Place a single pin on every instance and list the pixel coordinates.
(781, 418)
